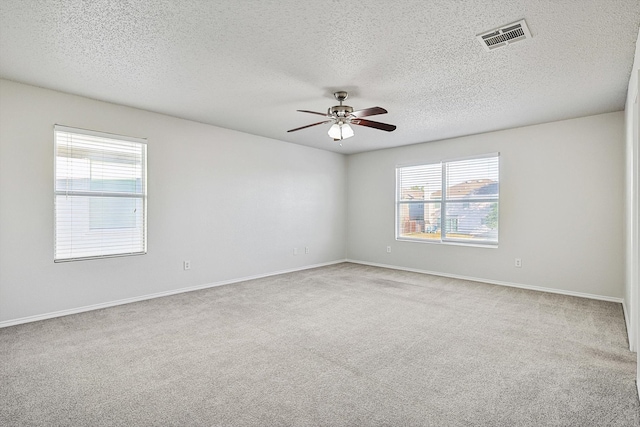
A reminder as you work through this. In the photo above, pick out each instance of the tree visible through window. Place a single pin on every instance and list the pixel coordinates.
(461, 194)
(100, 195)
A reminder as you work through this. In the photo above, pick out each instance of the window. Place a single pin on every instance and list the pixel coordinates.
(460, 195)
(100, 195)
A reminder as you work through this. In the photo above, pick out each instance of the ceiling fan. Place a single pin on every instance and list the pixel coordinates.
(342, 116)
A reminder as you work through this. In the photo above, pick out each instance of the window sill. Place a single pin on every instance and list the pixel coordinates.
(449, 242)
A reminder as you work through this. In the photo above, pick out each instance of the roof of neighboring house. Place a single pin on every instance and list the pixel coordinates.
(472, 186)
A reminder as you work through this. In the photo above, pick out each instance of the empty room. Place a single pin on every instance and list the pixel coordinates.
(296, 213)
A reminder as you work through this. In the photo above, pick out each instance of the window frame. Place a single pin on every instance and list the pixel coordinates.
(443, 201)
(93, 195)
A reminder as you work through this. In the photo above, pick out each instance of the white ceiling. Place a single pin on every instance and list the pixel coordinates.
(249, 65)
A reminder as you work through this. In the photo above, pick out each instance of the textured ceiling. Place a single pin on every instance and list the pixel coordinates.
(249, 65)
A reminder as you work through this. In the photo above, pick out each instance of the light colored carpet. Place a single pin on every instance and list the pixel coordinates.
(344, 345)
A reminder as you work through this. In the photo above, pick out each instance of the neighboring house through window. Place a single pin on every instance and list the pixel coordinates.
(461, 194)
(100, 194)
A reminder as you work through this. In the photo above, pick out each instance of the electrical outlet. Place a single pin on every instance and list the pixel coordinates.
(388, 249)
(295, 251)
(306, 249)
(518, 262)
(187, 265)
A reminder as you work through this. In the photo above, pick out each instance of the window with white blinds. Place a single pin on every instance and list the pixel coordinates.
(450, 201)
(100, 195)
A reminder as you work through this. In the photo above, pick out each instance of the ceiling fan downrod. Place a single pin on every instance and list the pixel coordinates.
(340, 111)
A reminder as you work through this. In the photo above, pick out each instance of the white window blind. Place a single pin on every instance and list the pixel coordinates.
(100, 194)
(450, 201)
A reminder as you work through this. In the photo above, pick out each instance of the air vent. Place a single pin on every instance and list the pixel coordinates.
(505, 35)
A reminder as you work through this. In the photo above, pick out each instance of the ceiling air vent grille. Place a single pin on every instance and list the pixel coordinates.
(503, 36)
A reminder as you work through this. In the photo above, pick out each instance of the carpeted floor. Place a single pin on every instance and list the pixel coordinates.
(344, 345)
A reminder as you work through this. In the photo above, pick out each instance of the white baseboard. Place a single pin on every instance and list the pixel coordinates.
(627, 321)
(77, 310)
(626, 315)
(494, 282)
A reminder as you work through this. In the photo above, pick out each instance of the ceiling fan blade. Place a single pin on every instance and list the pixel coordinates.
(372, 124)
(369, 112)
(308, 126)
(312, 112)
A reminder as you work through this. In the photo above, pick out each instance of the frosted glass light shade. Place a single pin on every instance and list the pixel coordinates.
(347, 131)
(334, 132)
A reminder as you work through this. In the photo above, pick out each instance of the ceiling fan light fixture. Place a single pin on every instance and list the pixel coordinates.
(340, 131)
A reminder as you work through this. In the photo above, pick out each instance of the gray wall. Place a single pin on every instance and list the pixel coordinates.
(561, 207)
(233, 204)
(236, 205)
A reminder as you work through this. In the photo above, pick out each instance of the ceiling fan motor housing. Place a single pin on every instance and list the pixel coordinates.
(340, 111)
